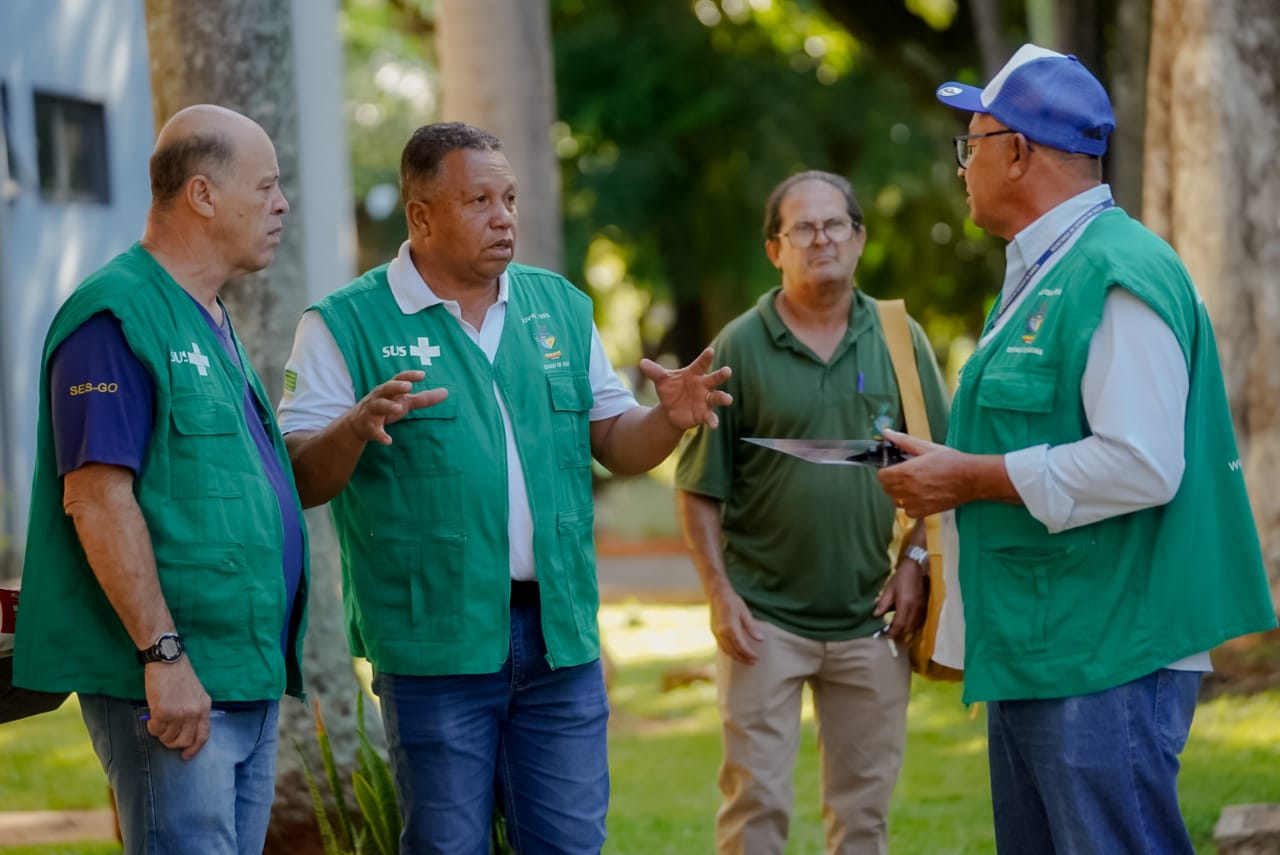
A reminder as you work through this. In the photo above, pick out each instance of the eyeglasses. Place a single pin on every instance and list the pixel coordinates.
(802, 235)
(964, 151)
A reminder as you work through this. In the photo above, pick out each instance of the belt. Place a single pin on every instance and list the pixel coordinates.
(524, 593)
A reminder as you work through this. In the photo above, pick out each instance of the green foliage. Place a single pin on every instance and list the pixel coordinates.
(679, 118)
(379, 826)
(390, 90)
(378, 829)
(676, 120)
(375, 793)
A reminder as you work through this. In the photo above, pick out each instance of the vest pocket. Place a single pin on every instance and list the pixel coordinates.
(571, 401)
(210, 591)
(1018, 396)
(1035, 599)
(418, 586)
(205, 440)
(424, 442)
(577, 551)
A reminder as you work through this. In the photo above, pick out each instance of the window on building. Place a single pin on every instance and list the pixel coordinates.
(71, 142)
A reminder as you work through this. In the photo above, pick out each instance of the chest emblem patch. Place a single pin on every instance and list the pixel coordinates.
(191, 357)
(1033, 325)
(546, 340)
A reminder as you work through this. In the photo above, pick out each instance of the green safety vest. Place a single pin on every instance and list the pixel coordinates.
(423, 522)
(213, 516)
(1092, 607)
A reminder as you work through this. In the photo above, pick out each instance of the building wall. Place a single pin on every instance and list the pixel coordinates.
(95, 50)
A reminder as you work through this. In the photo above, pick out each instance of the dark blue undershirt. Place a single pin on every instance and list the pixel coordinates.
(103, 407)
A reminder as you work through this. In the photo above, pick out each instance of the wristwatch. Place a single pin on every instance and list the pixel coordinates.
(918, 554)
(168, 648)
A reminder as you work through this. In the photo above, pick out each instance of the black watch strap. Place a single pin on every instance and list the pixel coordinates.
(168, 648)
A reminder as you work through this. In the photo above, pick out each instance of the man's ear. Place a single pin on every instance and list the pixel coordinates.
(1020, 156)
(200, 194)
(418, 214)
(772, 249)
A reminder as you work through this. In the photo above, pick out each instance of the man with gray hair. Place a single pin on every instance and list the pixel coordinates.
(165, 575)
(464, 510)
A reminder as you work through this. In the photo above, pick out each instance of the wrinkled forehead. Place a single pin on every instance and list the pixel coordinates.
(464, 167)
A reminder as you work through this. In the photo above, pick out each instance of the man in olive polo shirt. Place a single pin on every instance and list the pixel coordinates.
(794, 557)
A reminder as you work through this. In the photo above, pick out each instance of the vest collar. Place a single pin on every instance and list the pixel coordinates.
(413, 294)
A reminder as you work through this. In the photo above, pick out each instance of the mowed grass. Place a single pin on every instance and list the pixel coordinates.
(665, 752)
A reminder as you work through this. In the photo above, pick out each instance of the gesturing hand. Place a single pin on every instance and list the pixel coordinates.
(689, 395)
(388, 403)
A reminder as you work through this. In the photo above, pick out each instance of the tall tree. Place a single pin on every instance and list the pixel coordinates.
(679, 121)
(240, 54)
(1213, 191)
(496, 73)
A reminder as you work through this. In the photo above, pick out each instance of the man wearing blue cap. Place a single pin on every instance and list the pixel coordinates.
(1104, 532)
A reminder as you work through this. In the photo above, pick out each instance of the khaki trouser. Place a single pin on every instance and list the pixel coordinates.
(860, 693)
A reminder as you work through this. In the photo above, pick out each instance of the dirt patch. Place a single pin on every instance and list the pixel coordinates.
(1244, 666)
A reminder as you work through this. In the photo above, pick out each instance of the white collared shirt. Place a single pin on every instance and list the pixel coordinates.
(324, 389)
(1134, 391)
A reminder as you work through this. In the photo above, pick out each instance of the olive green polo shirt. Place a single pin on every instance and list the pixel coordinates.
(806, 545)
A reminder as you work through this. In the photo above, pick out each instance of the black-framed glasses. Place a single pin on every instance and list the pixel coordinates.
(802, 235)
(964, 151)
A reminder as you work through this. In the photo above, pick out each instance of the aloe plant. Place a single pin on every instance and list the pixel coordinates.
(375, 795)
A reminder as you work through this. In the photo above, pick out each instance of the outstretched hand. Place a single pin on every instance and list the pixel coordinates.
(689, 395)
(388, 403)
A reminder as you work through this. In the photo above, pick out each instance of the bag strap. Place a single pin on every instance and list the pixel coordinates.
(897, 334)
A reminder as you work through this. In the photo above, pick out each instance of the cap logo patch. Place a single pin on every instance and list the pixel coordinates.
(949, 91)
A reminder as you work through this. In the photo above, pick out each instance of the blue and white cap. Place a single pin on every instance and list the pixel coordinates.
(1047, 97)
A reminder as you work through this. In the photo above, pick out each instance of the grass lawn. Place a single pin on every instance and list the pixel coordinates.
(665, 750)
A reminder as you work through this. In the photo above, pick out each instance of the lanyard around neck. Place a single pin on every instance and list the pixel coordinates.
(1061, 239)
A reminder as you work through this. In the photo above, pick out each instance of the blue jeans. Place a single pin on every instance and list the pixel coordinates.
(535, 735)
(1095, 773)
(216, 803)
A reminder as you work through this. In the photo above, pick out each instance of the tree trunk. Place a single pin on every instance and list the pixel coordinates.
(240, 54)
(988, 27)
(1212, 189)
(1128, 54)
(496, 73)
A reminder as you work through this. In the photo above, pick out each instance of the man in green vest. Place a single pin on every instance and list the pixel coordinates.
(464, 510)
(1104, 532)
(165, 573)
(793, 557)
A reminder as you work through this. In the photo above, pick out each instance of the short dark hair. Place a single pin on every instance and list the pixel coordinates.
(772, 207)
(209, 153)
(420, 161)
